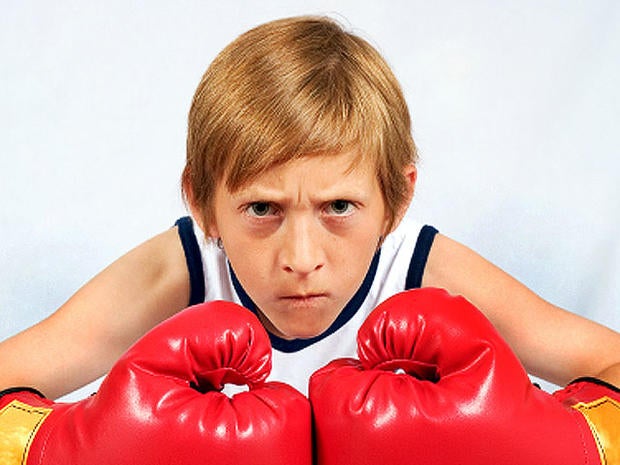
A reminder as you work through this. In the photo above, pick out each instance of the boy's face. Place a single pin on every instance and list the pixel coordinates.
(301, 238)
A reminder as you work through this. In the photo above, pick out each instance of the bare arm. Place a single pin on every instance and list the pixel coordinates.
(552, 343)
(82, 339)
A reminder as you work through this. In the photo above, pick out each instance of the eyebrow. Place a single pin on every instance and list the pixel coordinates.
(268, 194)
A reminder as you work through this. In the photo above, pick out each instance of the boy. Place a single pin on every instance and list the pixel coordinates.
(300, 168)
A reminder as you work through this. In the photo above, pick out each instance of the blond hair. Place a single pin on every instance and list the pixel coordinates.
(293, 88)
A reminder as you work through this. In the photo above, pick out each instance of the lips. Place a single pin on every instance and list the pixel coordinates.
(305, 299)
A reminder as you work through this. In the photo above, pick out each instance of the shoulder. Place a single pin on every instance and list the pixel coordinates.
(452, 265)
(156, 267)
(158, 262)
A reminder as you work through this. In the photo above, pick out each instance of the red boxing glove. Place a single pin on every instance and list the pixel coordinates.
(161, 403)
(436, 384)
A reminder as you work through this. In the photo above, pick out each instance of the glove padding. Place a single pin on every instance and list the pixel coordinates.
(161, 403)
(435, 383)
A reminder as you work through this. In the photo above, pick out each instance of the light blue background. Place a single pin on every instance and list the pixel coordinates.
(515, 106)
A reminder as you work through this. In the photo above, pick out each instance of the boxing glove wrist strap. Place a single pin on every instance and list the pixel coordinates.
(20, 421)
(599, 404)
(14, 390)
(597, 381)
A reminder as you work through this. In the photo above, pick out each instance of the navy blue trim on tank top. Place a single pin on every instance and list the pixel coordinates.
(193, 259)
(423, 245)
(288, 346)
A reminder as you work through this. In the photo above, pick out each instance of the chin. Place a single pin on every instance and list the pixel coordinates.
(304, 332)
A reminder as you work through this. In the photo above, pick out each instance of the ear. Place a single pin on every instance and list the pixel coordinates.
(198, 214)
(410, 173)
(210, 230)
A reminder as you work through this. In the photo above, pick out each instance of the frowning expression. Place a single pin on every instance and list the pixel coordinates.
(301, 237)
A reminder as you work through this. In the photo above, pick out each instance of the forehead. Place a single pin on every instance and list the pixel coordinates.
(324, 175)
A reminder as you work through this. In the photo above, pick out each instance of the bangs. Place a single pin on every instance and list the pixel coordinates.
(306, 101)
(290, 137)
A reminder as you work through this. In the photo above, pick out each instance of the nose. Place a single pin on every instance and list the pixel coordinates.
(302, 251)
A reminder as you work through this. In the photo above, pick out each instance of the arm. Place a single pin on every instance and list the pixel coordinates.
(82, 339)
(553, 344)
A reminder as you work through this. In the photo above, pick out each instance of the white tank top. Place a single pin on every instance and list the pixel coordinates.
(397, 266)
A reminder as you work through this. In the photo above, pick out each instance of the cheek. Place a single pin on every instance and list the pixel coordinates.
(251, 261)
(351, 256)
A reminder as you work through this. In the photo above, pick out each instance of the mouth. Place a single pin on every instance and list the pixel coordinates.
(305, 300)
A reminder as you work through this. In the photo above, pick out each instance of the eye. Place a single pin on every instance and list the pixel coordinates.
(260, 209)
(340, 207)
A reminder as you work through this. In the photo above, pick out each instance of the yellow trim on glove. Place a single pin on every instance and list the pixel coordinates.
(19, 424)
(603, 417)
